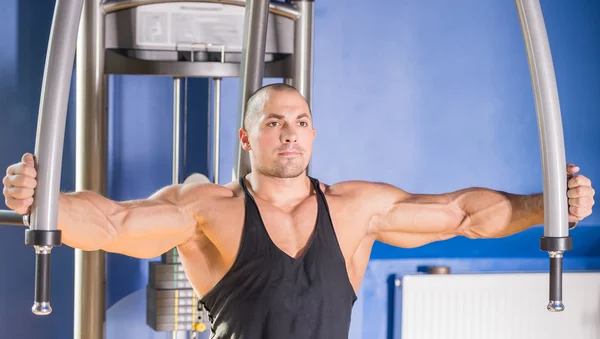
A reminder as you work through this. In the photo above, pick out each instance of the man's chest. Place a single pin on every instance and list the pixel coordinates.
(290, 228)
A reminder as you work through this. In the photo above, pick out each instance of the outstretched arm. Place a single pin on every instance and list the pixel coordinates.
(411, 220)
(138, 228)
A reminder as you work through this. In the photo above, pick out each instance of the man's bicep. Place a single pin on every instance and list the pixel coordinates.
(409, 220)
(148, 227)
(149, 219)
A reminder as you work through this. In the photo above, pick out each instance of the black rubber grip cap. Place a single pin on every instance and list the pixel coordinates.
(43, 238)
(42, 278)
(556, 279)
(556, 244)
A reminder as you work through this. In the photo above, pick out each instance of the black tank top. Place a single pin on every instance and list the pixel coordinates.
(269, 295)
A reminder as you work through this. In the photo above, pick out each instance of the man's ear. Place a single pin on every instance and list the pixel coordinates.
(244, 139)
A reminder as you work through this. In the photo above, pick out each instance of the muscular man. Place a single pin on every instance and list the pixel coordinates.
(279, 254)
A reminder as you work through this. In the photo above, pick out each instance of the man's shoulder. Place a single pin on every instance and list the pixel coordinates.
(198, 187)
(366, 193)
(354, 188)
(208, 191)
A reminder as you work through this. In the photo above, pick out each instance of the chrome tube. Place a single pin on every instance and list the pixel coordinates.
(176, 129)
(556, 237)
(303, 51)
(43, 233)
(176, 154)
(8, 217)
(549, 117)
(252, 69)
(216, 127)
(303, 48)
(90, 167)
(217, 122)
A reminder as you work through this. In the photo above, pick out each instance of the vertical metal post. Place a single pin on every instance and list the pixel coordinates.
(556, 239)
(251, 69)
(217, 122)
(176, 129)
(176, 157)
(216, 128)
(303, 51)
(90, 166)
(303, 48)
(43, 233)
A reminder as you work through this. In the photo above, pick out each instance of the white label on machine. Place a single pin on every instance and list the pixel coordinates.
(181, 25)
(153, 27)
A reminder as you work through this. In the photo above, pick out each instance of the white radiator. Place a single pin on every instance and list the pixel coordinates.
(498, 306)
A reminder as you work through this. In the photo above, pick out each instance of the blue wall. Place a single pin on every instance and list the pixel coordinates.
(436, 95)
(24, 29)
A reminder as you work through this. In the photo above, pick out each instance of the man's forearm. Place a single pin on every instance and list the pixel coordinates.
(83, 222)
(494, 214)
(527, 211)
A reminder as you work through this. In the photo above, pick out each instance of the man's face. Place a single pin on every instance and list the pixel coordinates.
(281, 137)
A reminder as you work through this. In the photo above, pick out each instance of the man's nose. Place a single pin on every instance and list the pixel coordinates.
(289, 135)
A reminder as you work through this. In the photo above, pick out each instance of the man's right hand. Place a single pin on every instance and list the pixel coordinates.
(19, 184)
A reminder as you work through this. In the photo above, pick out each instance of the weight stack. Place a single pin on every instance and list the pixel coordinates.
(171, 303)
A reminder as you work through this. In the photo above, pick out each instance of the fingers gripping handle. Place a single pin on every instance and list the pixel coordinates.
(41, 305)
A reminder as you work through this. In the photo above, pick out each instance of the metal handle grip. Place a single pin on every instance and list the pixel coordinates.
(42, 242)
(572, 225)
(11, 218)
(555, 304)
(41, 305)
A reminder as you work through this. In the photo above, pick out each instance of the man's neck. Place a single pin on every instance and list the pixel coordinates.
(279, 190)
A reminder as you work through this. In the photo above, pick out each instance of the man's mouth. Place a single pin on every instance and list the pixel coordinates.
(289, 153)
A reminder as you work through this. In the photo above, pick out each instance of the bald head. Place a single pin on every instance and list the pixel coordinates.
(258, 100)
(278, 132)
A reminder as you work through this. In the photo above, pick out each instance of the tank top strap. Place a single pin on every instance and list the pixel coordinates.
(324, 215)
(243, 185)
(254, 232)
(325, 222)
(320, 195)
(248, 197)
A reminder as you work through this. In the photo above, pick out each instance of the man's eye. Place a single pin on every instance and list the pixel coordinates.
(272, 124)
(303, 123)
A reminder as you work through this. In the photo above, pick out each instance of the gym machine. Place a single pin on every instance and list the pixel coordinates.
(262, 53)
(252, 40)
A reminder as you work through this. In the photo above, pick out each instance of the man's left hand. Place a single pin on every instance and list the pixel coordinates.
(580, 194)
